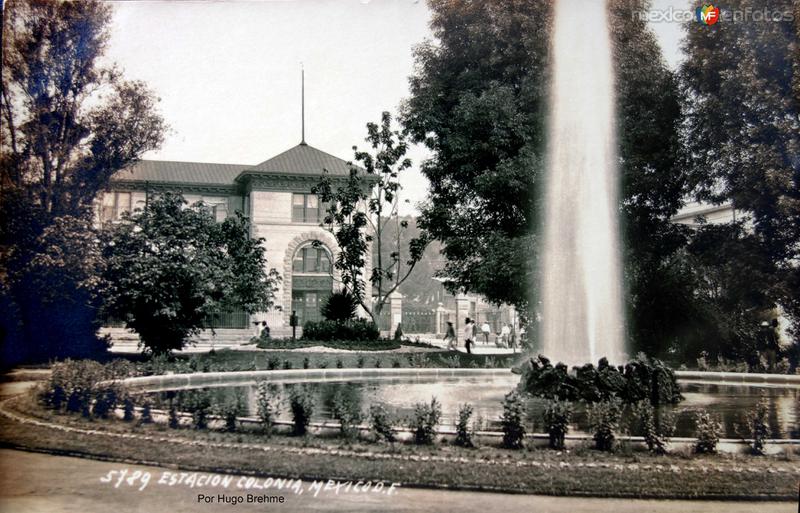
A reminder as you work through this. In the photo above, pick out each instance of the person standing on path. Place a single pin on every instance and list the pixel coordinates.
(505, 334)
(486, 329)
(469, 334)
(450, 337)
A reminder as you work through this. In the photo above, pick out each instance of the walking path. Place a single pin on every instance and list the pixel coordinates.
(33, 483)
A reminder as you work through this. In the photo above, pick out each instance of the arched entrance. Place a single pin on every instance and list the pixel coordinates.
(312, 281)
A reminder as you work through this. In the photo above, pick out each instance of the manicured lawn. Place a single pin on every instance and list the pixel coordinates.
(236, 360)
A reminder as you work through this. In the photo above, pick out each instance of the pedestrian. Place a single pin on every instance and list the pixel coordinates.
(450, 337)
(486, 329)
(469, 334)
(264, 330)
(505, 333)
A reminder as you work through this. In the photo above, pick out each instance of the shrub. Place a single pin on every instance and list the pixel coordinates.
(287, 364)
(511, 421)
(604, 422)
(127, 409)
(707, 431)
(174, 421)
(656, 430)
(340, 307)
(339, 363)
(381, 423)
(72, 385)
(424, 421)
(378, 363)
(322, 364)
(395, 363)
(346, 408)
(360, 361)
(105, 401)
(198, 403)
(301, 402)
(557, 416)
(702, 362)
(147, 415)
(229, 409)
(353, 330)
(418, 360)
(273, 362)
(268, 404)
(782, 366)
(306, 363)
(463, 431)
(758, 427)
(451, 362)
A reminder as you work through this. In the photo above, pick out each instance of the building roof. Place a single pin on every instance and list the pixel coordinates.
(163, 171)
(304, 160)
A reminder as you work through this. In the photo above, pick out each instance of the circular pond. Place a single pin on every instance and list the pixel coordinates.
(729, 402)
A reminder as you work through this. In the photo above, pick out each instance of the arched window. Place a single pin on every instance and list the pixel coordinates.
(311, 260)
(312, 281)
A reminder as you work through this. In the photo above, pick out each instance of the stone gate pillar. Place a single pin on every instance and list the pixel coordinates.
(395, 311)
(439, 313)
(462, 312)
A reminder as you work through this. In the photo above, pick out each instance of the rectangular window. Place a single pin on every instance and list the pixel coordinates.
(306, 208)
(114, 205)
(312, 209)
(298, 208)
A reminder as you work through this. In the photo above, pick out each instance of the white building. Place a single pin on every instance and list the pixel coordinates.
(694, 213)
(276, 196)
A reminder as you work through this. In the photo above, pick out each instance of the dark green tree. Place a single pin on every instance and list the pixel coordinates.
(479, 101)
(741, 80)
(362, 214)
(340, 306)
(170, 269)
(69, 122)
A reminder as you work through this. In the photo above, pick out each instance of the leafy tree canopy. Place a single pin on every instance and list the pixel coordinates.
(362, 214)
(69, 122)
(170, 269)
(741, 82)
(479, 100)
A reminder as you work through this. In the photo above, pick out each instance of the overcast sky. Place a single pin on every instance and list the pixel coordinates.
(228, 72)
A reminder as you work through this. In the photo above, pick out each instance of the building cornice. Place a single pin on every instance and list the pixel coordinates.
(152, 186)
(266, 181)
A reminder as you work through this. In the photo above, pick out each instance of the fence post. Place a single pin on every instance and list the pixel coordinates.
(396, 311)
(439, 313)
(462, 312)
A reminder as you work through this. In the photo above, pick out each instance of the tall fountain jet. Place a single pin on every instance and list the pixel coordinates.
(581, 288)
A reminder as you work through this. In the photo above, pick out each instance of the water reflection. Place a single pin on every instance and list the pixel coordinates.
(728, 402)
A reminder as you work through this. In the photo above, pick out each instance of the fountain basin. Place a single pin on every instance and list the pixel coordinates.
(729, 395)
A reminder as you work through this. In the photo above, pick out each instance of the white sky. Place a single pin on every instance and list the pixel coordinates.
(228, 72)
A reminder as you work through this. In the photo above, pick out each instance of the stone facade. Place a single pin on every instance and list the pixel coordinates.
(264, 193)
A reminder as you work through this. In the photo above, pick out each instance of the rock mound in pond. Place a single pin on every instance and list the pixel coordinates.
(641, 378)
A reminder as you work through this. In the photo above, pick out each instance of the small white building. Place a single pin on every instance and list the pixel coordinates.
(276, 196)
(695, 213)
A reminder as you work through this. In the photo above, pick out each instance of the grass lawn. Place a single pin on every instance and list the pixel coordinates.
(582, 471)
